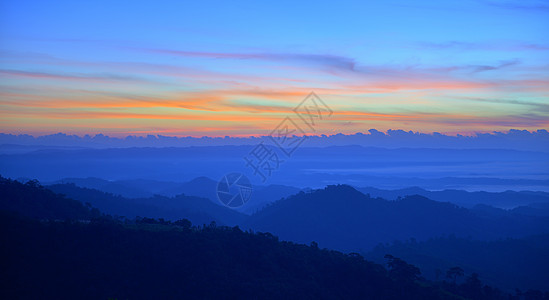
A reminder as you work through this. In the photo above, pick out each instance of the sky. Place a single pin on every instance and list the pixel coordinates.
(225, 68)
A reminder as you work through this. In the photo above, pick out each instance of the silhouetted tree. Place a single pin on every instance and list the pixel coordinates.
(401, 270)
(186, 224)
(453, 273)
(533, 295)
(472, 288)
(438, 272)
(33, 183)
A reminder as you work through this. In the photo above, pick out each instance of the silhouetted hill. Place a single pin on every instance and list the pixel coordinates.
(206, 188)
(32, 200)
(148, 185)
(264, 195)
(113, 187)
(198, 210)
(509, 263)
(200, 187)
(111, 260)
(507, 199)
(341, 217)
(534, 209)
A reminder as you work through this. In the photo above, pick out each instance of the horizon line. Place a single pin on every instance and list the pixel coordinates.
(369, 132)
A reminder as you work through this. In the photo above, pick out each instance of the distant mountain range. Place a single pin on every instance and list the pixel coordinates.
(262, 195)
(198, 210)
(315, 167)
(199, 187)
(346, 212)
(337, 217)
(507, 199)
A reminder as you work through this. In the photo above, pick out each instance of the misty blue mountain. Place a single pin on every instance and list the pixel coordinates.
(426, 216)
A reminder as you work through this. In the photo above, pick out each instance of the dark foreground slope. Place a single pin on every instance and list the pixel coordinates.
(507, 263)
(98, 257)
(104, 259)
(33, 200)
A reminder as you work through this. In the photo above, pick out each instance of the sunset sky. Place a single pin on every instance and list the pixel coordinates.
(219, 68)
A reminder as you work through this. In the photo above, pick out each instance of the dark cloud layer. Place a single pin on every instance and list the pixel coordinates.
(395, 138)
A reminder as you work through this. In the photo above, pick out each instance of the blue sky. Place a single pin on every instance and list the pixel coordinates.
(220, 68)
